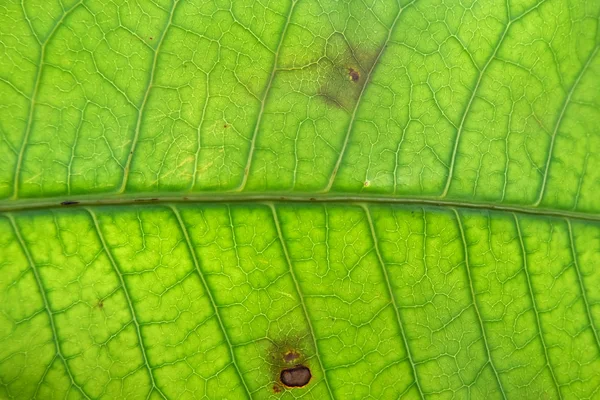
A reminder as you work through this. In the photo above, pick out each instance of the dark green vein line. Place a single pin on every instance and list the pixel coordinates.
(138, 123)
(535, 307)
(129, 303)
(176, 198)
(563, 110)
(36, 89)
(263, 100)
(185, 233)
(475, 305)
(338, 162)
(44, 375)
(38, 281)
(201, 125)
(301, 297)
(468, 108)
(393, 300)
(474, 92)
(581, 285)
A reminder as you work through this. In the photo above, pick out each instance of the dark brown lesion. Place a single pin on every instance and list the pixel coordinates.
(289, 364)
(100, 304)
(296, 377)
(353, 74)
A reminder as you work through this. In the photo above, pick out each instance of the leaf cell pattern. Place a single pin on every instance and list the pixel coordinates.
(385, 301)
(404, 192)
(490, 101)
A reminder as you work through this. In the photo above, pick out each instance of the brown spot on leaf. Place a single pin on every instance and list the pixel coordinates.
(287, 353)
(276, 389)
(342, 72)
(226, 126)
(101, 304)
(291, 356)
(298, 376)
(69, 203)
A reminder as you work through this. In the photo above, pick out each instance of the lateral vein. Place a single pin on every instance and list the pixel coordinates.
(129, 302)
(210, 296)
(300, 296)
(393, 300)
(38, 281)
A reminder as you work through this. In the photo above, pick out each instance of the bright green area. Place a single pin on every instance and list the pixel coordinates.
(383, 301)
(489, 104)
(494, 101)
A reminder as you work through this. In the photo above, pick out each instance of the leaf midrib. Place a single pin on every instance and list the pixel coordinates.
(187, 198)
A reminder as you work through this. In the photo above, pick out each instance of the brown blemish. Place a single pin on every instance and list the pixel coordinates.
(69, 203)
(342, 72)
(331, 99)
(285, 354)
(295, 377)
(101, 304)
(225, 126)
(291, 356)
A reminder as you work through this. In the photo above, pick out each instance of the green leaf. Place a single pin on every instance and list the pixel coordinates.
(401, 195)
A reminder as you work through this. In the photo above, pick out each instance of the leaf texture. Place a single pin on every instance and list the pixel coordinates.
(402, 195)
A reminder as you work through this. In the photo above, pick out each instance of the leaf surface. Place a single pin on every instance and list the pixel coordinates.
(402, 196)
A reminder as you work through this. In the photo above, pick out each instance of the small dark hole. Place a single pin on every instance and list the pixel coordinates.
(298, 376)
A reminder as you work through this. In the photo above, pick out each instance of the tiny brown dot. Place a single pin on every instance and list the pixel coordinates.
(353, 74)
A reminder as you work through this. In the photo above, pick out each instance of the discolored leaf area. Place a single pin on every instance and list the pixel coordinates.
(299, 199)
(298, 376)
